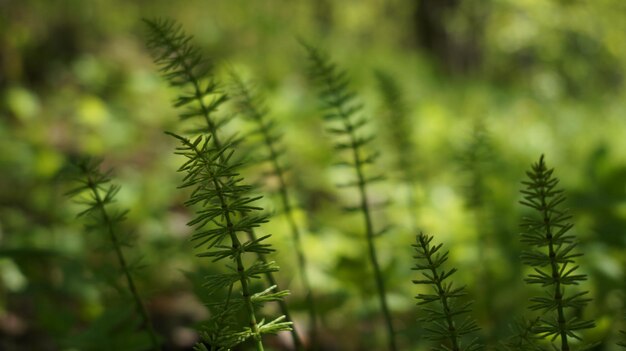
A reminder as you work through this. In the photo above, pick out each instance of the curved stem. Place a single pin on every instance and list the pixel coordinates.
(369, 231)
(269, 141)
(302, 264)
(218, 145)
(236, 244)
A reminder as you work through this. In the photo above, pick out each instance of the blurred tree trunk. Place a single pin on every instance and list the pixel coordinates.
(452, 32)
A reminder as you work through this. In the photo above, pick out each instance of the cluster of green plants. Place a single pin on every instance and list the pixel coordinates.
(458, 97)
(228, 216)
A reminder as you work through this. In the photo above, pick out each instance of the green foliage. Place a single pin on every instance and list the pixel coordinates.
(398, 131)
(474, 161)
(341, 114)
(442, 320)
(100, 195)
(227, 210)
(191, 73)
(546, 76)
(253, 109)
(185, 68)
(552, 257)
(398, 126)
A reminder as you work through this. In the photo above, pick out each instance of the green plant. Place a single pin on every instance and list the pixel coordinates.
(474, 163)
(443, 324)
(399, 131)
(551, 257)
(227, 209)
(341, 115)
(251, 107)
(96, 192)
(200, 97)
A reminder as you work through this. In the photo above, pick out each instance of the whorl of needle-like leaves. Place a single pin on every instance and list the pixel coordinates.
(252, 107)
(341, 112)
(442, 320)
(182, 64)
(96, 193)
(226, 214)
(551, 256)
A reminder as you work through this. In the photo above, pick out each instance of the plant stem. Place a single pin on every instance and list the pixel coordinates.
(236, 244)
(442, 296)
(265, 130)
(141, 309)
(558, 296)
(198, 93)
(284, 196)
(369, 229)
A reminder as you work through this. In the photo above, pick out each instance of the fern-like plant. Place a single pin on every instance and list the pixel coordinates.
(399, 128)
(551, 256)
(345, 123)
(96, 193)
(474, 161)
(228, 210)
(443, 319)
(186, 69)
(252, 107)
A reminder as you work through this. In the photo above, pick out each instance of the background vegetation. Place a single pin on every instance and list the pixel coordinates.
(487, 85)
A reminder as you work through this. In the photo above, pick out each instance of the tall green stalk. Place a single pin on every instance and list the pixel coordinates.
(185, 68)
(101, 194)
(474, 161)
(399, 135)
(552, 257)
(252, 108)
(443, 324)
(341, 115)
(226, 209)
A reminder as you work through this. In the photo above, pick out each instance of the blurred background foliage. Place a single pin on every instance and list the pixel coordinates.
(486, 85)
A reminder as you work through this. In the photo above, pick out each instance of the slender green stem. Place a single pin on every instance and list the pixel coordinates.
(558, 296)
(198, 93)
(453, 336)
(284, 196)
(336, 88)
(141, 309)
(241, 271)
(369, 230)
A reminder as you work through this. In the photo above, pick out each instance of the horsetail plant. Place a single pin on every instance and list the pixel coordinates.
(251, 106)
(342, 117)
(227, 210)
(96, 192)
(399, 130)
(444, 324)
(185, 68)
(473, 160)
(552, 258)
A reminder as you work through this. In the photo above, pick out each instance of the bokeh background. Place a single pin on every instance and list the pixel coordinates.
(487, 85)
